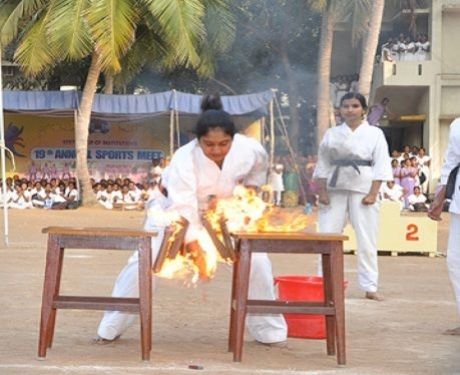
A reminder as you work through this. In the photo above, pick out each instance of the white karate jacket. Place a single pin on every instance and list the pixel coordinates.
(193, 178)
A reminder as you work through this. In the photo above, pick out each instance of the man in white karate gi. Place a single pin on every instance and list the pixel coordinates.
(449, 187)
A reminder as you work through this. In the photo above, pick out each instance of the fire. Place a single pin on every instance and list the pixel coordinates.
(244, 211)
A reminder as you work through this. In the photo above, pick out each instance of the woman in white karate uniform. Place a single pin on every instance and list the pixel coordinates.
(450, 177)
(209, 166)
(353, 161)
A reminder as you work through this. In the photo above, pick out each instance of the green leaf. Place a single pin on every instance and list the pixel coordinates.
(68, 29)
(17, 11)
(112, 24)
(183, 27)
(34, 53)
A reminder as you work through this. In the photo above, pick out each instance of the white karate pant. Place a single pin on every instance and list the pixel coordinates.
(453, 255)
(263, 328)
(365, 222)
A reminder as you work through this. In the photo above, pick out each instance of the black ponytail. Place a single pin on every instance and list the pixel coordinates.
(213, 116)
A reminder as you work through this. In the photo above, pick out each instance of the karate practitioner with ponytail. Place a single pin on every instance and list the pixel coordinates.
(213, 164)
(353, 161)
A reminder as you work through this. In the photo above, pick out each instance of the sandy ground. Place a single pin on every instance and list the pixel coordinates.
(401, 335)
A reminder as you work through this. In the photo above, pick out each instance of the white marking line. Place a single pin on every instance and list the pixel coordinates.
(78, 256)
(172, 369)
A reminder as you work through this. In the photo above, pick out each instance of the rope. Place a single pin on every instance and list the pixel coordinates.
(283, 129)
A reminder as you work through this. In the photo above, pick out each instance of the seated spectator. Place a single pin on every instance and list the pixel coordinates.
(393, 192)
(129, 200)
(38, 196)
(417, 201)
(71, 195)
(105, 197)
(20, 199)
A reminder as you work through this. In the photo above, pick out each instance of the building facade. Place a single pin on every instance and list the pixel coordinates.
(424, 95)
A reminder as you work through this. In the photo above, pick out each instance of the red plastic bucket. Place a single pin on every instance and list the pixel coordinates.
(303, 288)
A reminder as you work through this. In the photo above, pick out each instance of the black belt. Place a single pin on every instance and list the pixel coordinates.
(450, 187)
(347, 163)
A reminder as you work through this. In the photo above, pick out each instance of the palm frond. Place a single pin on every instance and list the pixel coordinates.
(361, 10)
(182, 23)
(13, 12)
(112, 24)
(148, 49)
(318, 5)
(68, 28)
(220, 25)
(34, 53)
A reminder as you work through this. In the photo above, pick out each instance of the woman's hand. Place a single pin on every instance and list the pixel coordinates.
(323, 197)
(435, 210)
(369, 199)
(198, 257)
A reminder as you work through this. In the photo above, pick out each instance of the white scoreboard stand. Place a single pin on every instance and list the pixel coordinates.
(400, 234)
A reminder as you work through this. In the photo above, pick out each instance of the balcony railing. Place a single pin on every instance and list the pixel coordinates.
(404, 73)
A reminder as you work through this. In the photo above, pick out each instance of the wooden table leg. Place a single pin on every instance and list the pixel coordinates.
(145, 297)
(56, 293)
(232, 326)
(50, 290)
(338, 296)
(328, 295)
(242, 287)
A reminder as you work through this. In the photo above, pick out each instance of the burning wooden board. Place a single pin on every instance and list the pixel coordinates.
(172, 243)
(224, 247)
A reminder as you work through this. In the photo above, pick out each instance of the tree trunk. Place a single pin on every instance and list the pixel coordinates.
(82, 131)
(108, 86)
(324, 76)
(370, 48)
(294, 129)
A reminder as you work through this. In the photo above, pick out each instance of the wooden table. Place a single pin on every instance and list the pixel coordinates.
(330, 246)
(60, 238)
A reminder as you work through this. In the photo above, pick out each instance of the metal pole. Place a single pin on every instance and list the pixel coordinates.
(272, 134)
(2, 157)
(171, 132)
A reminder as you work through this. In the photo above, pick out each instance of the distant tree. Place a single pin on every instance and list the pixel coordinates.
(333, 11)
(370, 47)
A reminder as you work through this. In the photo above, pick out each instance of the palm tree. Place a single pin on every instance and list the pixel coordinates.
(332, 12)
(370, 48)
(106, 30)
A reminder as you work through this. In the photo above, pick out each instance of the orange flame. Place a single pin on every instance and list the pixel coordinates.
(244, 211)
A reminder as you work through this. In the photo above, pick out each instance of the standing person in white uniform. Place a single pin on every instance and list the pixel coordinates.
(449, 187)
(353, 161)
(275, 179)
(213, 164)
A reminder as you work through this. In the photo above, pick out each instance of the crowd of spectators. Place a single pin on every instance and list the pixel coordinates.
(406, 48)
(340, 85)
(411, 174)
(49, 188)
(54, 193)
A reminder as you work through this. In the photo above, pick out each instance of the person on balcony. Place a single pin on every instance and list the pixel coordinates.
(425, 48)
(387, 50)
